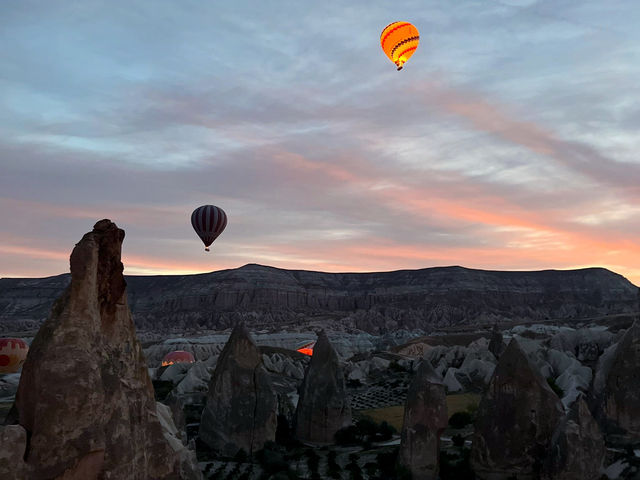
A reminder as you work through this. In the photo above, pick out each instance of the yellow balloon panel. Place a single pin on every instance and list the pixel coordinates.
(13, 353)
(399, 41)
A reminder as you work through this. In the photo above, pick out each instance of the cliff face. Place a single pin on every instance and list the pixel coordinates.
(443, 296)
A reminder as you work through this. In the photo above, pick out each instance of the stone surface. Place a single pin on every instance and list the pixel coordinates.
(619, 400)
(85, 397)
(196, 380)
(577, 448)
(241, 407)
(585, 344)
(425, 417)
(569, 374)
(451, 382)
(323, 406)
(9, 387)
(13, 443)
(516, 419)
(496, 344)
(189, 469)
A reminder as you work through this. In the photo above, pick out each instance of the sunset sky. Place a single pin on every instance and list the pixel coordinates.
(509, 141)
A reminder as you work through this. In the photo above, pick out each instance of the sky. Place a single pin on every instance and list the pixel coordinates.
(508, 142)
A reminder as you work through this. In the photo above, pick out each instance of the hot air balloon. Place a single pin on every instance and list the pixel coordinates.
(208, 221)
(307, 348)
(179, 356)
(398, 41)
(13, 353)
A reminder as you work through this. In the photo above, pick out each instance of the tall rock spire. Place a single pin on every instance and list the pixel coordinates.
(517, 417)
(85, 397)
(242, 407)
(323, 407)
(425, 417)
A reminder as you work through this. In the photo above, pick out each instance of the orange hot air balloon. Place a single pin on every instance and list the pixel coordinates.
(399, 41)
(13, 353)
(307, 349)
(179, 356)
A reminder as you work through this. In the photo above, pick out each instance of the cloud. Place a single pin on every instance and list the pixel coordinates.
(512, 130)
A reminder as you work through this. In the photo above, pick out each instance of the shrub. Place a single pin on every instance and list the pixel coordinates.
(271, 460)
(460, 419)
(396, 367)
(371, 468)
(161, 388)
(458, 440)
(347, 435)
(333, 468)
(284, 432)
(454, 467)
(354, 468)
(554, 386)
(386, 431)
(387, 463)
(241, 456)
(313, 460)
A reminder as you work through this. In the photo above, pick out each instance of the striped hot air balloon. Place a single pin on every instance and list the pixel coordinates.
(399, 41)
(13, 353)
(208, 221)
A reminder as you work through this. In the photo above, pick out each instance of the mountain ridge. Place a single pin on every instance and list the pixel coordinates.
(424, 298)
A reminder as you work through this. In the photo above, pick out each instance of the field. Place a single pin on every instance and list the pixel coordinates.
(393, 415)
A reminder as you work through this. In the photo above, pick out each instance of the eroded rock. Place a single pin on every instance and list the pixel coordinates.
(577, 448)
(496, 344)
(619, 399)
(425, 417)
(516, 419)
(241, 408)
(13, 443)
(85, 397)
(323, 407)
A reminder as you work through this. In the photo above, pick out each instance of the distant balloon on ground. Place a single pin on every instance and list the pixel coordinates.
(399, 41)
(209, 222)
(13, 353)
(307, 349)
(179, 356)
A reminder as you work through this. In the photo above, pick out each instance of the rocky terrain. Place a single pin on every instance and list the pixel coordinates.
(267, 297)
(556, 399)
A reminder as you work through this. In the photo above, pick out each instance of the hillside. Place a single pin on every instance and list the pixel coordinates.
(375, 302)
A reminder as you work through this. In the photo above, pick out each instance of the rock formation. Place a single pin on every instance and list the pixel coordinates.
(496, 344)
(323, 407)
(516, 420)
(425, 417)
(619, 399)
(85, 398)
(577, 447)
(585, 344)
(387, 301)
(13, 443)
(241, 407)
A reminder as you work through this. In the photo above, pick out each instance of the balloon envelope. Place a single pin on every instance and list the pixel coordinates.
(399, 41)
(13, 353)
(208, 221)
(179, 356)
(307, 349)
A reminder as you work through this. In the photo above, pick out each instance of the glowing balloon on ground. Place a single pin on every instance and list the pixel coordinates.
(179, 356)
(13, 353)
(307, 349)
(399, 41)
(208, 221)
